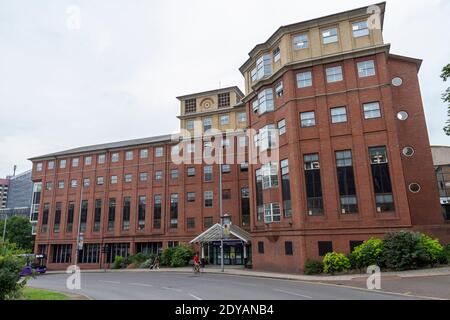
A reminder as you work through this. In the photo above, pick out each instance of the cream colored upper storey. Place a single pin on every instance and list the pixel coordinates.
(348, 39)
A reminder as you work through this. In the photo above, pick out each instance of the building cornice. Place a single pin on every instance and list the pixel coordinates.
(236, 89)
(211, 112)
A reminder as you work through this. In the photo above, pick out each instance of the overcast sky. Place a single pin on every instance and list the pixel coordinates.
(117, 76)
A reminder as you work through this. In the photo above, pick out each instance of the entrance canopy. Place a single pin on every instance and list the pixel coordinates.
(214, 234)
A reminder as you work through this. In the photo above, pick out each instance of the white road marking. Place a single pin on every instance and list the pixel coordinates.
(167, 288)
(194, 296)
(105, 281)
(246, 284)
(141, 284)
(293, 293)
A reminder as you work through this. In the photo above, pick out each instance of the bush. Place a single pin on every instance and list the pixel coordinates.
(433, 250)
(138, 258)
(335, 262)
(11, 265)
(119, 263)
(403, 250)
(367, 254)
(177, 256)
(166, 256)
(313, 267)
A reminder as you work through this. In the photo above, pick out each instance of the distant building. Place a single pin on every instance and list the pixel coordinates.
(20, 191)
(4, 186)
(441, 161)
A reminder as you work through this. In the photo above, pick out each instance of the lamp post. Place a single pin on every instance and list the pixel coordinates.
(79, 223)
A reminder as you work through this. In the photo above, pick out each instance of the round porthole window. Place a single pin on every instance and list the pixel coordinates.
(402, 115)
(397, 82)
(408, 151)
(414, 187)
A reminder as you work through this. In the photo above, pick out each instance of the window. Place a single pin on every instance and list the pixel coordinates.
(191, 197)
(70, 213)
(226, 194)
(101, 158)
(158, 175)
(126, 213)
(269, 173)
(97, 215)
(190, 223)
(307, 119)
(191, 105)
(263, 68)
(272, 213)
(51, 165)
(111, 214)
(207, 222)
(360, 29)
(207, 173)
(157, 212)
(304, 79)
(207, 124)
(265, 101)
(338, 115)
(60, 184)
(175, 150)
(286, 188)
(279, 91)
(260, 247)
(87, 182)
(325, 247)
(83, 217)
(354, 243)
(117, 249)
(282, 126)
(62, 253)
(73, 183)
(143, 153)
(378, 155)
(57, 223)
(174, 174)
(402, 115)
(408, 151)
(255, 105)
(266, 137)
(276, 54)
(100, 181)
(159, 151)
(87, 161)
(366, 68)
(372, 110)
(334, 74)
(114, 179)
(149, 247)
(288, 248)
(143, 176)
(244, 167)
(190, 124)
(89, 254)
(208, 199)
(226, 143)
(141, 212)
(381, 179)
(62, 164)
(313, 184)
(190, 147)
(242, 117)
(115, 157)
(224, 99)
(224, 119)
(226, 168)
(191, 171)
(75, 162)
(49, 185)
(346, 182)
(301, 42)
(330, 36)
(245, 206)
(414, 187)
(174, 210)
(128, 177)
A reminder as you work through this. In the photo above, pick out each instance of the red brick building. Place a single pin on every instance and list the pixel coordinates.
(354, 159)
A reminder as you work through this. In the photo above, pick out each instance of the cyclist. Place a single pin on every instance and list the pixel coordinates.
(196, 263)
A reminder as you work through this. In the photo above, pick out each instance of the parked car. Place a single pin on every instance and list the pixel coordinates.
(35, 264)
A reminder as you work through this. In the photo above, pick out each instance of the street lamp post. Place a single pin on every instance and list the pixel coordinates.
(79, 223)
(222, 267)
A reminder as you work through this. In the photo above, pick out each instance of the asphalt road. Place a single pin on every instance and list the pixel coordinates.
(184, 286)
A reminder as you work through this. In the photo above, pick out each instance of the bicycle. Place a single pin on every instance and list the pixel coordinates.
(196, 268)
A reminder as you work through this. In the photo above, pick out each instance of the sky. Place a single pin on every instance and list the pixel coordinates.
(115, 75)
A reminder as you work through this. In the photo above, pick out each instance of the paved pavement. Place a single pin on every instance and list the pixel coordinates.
(162, 285)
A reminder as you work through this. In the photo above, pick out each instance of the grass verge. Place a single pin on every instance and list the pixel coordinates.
(39, 294)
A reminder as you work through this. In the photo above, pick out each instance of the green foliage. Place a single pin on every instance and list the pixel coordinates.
(119, 263)
(138, 258)
(313, 267)
(446, 97)
(335, 262)
(433, 250)
(166, 256)
(10, 266)
(177, 256)
(18, 231)
(367, 254)
(147, 263)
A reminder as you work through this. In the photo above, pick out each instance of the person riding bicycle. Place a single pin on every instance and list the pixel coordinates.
(196, 262)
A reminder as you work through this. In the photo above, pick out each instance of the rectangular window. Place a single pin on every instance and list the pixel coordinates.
(126, 209)
(244, 167)
(158, 175)
(190, 223)
(111, 214)
(73, 183)
(141, 212)
(207, 124)
(346, 182)
(86, 182)
(83, 218)
(62, 164)
(325, 247)
(366, 68)
(282, 127)
(207, 222)
(260, 247)
(129, 155)
(143, 153)
(57, 223)
(174, 210)
(62, 253)
(174, 174)
(313, 184)
(242, 117)
(49, 185)
(338, 115)
(117, 249)
(51, 165)
(89, 254)
(191, 172)
(301, 42)
(100, 181)
(191, 197)
(279, 91)
(101, 159)
(190, 105)
(208, 199)
(304, 79)
(245, 206)
(265, 101)
(143, 176)
(224, 99)
(207, 173)
(157, 209)
(286, 188)
(226, 168)
(87, 161)
(115, 157)
(269, 173)
(97, 215)
(329, 35)
(114, 179)
(190, 124)
(360, 29)
(381, 179)
(175, 150)
(334, 74)
(288, 248)
(272, 212)
(307, 119)
(190, 147)
(61, 184)
(276, 54)
(128, 178)
(226, 194)
(75, 162)
(159, 152)
(263, 67)
(70, 214)
(224, 119)
(372, 110)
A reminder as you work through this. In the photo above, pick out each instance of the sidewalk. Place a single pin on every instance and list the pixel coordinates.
(238, 271)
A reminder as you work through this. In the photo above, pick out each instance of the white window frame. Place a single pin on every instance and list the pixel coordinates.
(366, 68)
(129, 155)
(304, 79)
(300, 39)
(265, 101)
(358, 30)
(281, 127)
(159, 152)
(224, 119)
(330, 35)
(338, 117)
(371, 110)
(272, 212)
(334, 74)
(242, 117)
(307, 122)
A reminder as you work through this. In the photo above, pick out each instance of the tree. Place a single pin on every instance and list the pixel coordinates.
(18, 231)
(446, 96)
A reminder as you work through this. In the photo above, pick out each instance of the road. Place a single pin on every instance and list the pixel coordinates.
(185, 286)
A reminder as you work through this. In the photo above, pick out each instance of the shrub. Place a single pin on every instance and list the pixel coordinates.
(403, 250)
(313, 267)
(181, 256)
(367, 254)
(432, 248)
(11, 264)
(166, 256)
(138, 258)
(335, 262)
(119, 263)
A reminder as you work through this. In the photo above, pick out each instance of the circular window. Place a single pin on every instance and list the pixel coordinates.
(402, 115)
(397, 82)
(408, 151)
(414, 187)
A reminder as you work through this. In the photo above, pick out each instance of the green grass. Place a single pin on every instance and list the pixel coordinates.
(38, 294)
